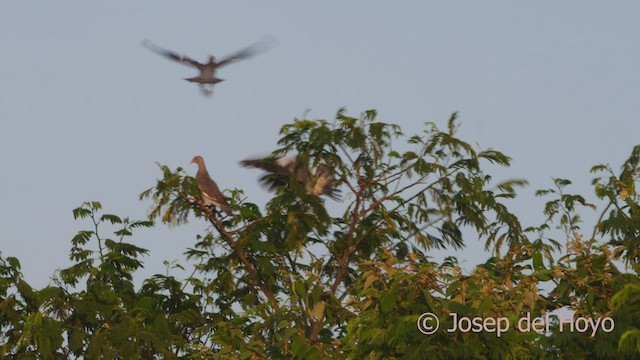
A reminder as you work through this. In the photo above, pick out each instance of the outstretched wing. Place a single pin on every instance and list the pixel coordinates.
(262, 45)
(271, 164)
(278, 170)
(171, 55)
(325, 183)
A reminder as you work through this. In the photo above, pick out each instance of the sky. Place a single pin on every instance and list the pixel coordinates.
(86, 111)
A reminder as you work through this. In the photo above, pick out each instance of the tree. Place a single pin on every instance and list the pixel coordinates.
(299, 279)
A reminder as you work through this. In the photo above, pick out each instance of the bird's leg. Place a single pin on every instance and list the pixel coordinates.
(206, 90)
(211, 209)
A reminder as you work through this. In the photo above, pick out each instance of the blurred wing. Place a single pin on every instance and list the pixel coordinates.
(270, 164)
(325, 183)
(278, 171)
(171, 55)
(334, 194)
(262, 45)
(272, 182)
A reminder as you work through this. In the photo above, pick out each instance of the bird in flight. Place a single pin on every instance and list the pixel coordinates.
(280, 170)
(207, 77)
(211, 194)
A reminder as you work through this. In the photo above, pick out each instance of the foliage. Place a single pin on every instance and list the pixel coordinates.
(308, 280)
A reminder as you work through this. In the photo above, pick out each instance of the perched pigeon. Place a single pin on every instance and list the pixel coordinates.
(281, 169)
(210, 192)
(207, 78)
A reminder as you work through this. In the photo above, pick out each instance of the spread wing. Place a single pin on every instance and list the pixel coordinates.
(325, 183)
(279, 170)
(271, 164)
(171, 55)
(262, 45)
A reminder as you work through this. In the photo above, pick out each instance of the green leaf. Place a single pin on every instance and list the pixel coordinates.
(387, 303)
(537, 261)
(111, 218)
(300, 289)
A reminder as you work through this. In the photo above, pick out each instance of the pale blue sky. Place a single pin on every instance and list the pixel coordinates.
(85, 111)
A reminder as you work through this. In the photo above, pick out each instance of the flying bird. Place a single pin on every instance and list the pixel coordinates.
(207, 77)
(280, 170)
(208, 188)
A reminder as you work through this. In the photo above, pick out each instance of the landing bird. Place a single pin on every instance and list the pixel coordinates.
(207, 78)
(281, 169)
(208, 188)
